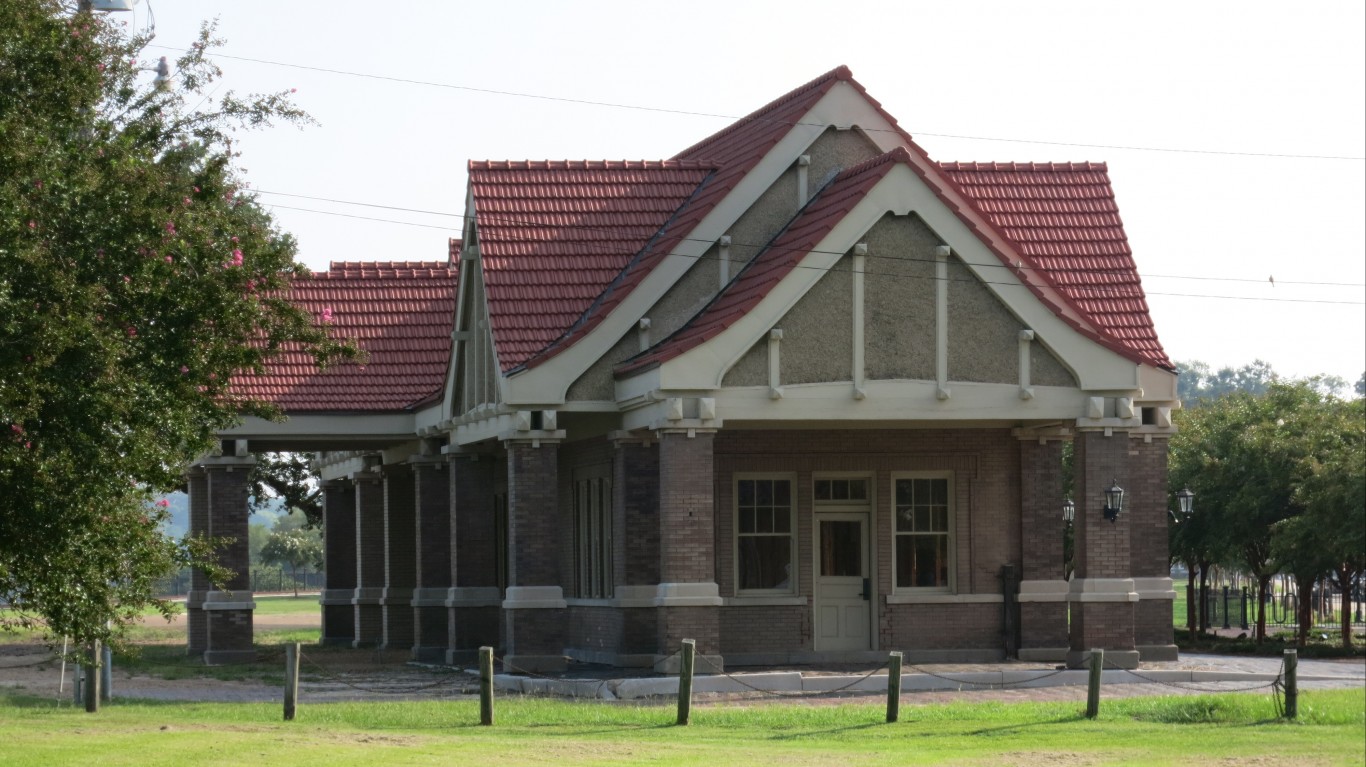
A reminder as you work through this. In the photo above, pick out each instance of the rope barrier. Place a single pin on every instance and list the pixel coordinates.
(792, 693)
(49, 659)
(388, 690)
(1194, 686)
(988, 685)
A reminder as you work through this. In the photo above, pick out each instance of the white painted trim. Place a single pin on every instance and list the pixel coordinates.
(534, 598)
(689, 595)
(1102, 590)
(327, 427)
(723, 260)
(898, 400)
(367, 595)
(429, 597)
(794, 547)
(394, 596)
(242, 599)
(943, 599)
(1043, 591)
(775, 348)
(920, 592)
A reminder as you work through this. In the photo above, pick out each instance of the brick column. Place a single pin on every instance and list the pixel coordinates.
(1102, 595)
(635, 542)
(196, 621)
(535, 616)
(1148, 548)
(474, 600)
(228, 613)
(400, 557)
(432, 486)
(369, 630)
(1043, 592)
(339, 562)
(688, 596)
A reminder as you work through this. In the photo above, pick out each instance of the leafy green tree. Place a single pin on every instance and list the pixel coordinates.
(294, 549)
(289, 477)
(1198, 383)
(136, 276)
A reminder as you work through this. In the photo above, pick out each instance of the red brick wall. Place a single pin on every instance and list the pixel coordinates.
(1148, 487)
(942, 627)
(433, 507)
(765, 629)
(535, 539)
(635, 513)
(1041, 523)
(686, 508)
(595, 628)
(473, 540)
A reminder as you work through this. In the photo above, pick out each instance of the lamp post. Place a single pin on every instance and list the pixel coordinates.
(1069, 515)
(1114, 501)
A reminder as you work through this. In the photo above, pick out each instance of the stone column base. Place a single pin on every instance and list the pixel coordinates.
(1151, 653)
(397, 606)
(534, 621)
(369, 616)
(1114, 659)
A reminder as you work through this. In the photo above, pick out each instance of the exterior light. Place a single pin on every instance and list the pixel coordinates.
(1114, 500)
(1185, 500)
(1069, 511)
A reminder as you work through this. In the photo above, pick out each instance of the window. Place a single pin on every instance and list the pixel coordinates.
(842, 491)
(923, 531)
(593, 538)
(763, 535)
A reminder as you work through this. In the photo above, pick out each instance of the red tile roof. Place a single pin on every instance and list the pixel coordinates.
(399, 312)
(1063, 221)
(762, 273)
(733, 151)
(554, 234)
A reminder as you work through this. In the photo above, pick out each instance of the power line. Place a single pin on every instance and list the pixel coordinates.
(692, 113)
(1094, 289)
(505, 220)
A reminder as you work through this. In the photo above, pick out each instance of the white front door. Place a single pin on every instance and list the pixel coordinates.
(842, 592)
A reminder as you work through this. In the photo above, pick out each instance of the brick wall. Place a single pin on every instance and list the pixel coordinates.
(433, 507)
(1102, 546)
(400, 555)
(674, 624)
(595, 628)
(1153, 622)
(228, 489)
(473, 540)
(370, 551)
(942, 627)
(635, 513)
(535, 539)
(686, 508)
(1105, 625)
(1043, 624)
(339, 559)
(1041, 523)
(765, 629)
(1148, 550)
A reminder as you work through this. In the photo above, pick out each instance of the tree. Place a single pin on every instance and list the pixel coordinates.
(294, 548)
(1197, 383)
(289, 477)
(136, 276)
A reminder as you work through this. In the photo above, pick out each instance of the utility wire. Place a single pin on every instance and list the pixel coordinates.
(691, 113)
(1103, 290)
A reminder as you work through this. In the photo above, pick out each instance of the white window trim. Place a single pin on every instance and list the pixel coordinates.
(791, 478)
(849, 506)
(952, 587)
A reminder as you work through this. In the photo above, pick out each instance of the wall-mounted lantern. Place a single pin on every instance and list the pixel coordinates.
(1114, 500)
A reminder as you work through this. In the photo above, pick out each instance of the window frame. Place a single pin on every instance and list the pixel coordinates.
(951, 587)
(794, 571)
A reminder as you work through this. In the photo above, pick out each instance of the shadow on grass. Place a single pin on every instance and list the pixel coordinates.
(1006, 728)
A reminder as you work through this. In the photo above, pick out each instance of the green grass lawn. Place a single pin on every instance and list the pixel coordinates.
(1223, 729)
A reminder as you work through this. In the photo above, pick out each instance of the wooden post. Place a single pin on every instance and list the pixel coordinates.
(1093, 684)
(291, 680)
(92, 679)
(1292, 686)
(107, 675)
(685, 681)
(893, 686)
(486, 686)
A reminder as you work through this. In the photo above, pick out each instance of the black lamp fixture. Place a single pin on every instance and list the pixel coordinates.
(1069, 511)
(1185, 501)
(1114, 500)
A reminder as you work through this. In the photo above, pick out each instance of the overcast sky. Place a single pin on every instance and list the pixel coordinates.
(1231, 85)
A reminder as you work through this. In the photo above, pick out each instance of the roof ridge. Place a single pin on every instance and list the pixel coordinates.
(566, 164)
(992, 165)
(841, 72)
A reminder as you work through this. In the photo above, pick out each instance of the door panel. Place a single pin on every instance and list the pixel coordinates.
(842, 614)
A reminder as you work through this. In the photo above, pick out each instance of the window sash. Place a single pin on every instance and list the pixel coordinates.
(765, 534)
(923, 546)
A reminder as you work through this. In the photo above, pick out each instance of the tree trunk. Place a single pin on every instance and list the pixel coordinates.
(1263, 591)
(1304, 608)
(1204, 598)
(294, 575)
(1344, 578)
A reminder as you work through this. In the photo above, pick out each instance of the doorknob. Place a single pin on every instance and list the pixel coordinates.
(867, 590)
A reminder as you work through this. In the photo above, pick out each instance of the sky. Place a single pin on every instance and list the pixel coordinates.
(1194, 106)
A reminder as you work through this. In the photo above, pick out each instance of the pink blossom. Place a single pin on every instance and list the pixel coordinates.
(32, 224)
(184, 370)
(213, 376)
(327, 315)
(38, 184)
(16, 428)
(196, 189)
(186, 201)
(170, 227)
(163, 503)
(127, 279)
(168, 259)
(131, 331)
(100, 66)
(234, 240)
(28, 445)
(293, 90)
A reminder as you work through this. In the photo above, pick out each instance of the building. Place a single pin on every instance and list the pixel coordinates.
(799, 393)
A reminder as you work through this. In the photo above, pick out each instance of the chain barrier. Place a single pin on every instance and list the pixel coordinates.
(793, 693)
(48, 659)
(1195, 686)
(388, 690)
(987, 685)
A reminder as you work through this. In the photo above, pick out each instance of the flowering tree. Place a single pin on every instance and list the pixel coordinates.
(294, 549)
(136, 276)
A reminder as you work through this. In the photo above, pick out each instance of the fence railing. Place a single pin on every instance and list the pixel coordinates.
(1233, 607)
(262, 579)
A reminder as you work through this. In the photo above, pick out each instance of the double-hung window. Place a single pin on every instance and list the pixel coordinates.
(923, 529)
(764, 534)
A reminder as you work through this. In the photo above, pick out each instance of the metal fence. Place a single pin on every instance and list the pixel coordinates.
(1232, 607)
(263, 579)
